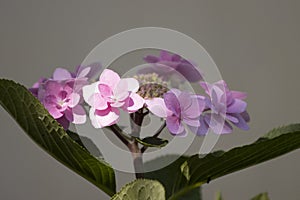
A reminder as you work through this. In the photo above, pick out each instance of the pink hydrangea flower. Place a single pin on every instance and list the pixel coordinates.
(223, 106)
(110, 94)
(62, 93)
(62, 102)
(179, 109)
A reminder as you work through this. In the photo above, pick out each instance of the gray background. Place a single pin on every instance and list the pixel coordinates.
(254, 43)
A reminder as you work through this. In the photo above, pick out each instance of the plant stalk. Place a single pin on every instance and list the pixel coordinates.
(136, 123)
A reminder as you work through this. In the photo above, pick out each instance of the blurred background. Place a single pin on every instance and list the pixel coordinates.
(254, 43)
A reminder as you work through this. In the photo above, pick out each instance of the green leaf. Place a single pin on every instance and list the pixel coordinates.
(76, 138)
(219, 196)
(152, 141)
(86, 143)
(48, 134)
(141, 189)
(262, 196)
(198, 170)
(167, 175)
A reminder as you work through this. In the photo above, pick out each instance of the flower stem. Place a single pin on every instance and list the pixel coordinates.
(136, 120)
(136, 123)
(118, 132)
(133, 147)
(137, 160)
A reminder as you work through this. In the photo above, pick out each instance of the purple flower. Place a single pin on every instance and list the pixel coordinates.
(35, 88)
(62, 93)
(223, 106)
(179, 109)
(167, 64)
(62, 102)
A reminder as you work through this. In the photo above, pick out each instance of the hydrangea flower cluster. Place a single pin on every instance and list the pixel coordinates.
(62, 93)
(66, 95)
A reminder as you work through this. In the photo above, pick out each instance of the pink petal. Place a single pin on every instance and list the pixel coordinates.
(110, 78)
(89, 71)
(74, 99)
(61, 74)
(197, 106)
(157, 107)
(53, 87)
(97, 101)
(185, 100)
(121, 91)
(174, 125)
(79, 115)
(84, 72)
(54, 112)
(117, 104)
(89, 90)
(104, 118)
(131, 83)
(172, 103)
(136, 102)
(105, 90)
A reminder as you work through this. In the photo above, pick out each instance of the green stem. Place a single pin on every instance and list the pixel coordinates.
(121, 135)
(136, 123)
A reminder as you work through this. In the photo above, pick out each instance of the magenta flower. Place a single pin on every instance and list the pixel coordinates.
(179, 109)
(108, 95)
(62, 102)
(62, 93)
(223, 106)
(166, 64)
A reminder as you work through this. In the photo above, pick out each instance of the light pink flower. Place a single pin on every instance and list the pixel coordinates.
(108, 95)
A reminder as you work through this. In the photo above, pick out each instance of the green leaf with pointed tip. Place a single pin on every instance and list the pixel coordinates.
(168, 174)
(141, 189)
(263, 196)
(35, 120)
(152, 141)
(198, 170)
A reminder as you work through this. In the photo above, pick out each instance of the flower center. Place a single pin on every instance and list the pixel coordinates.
(152, 85)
